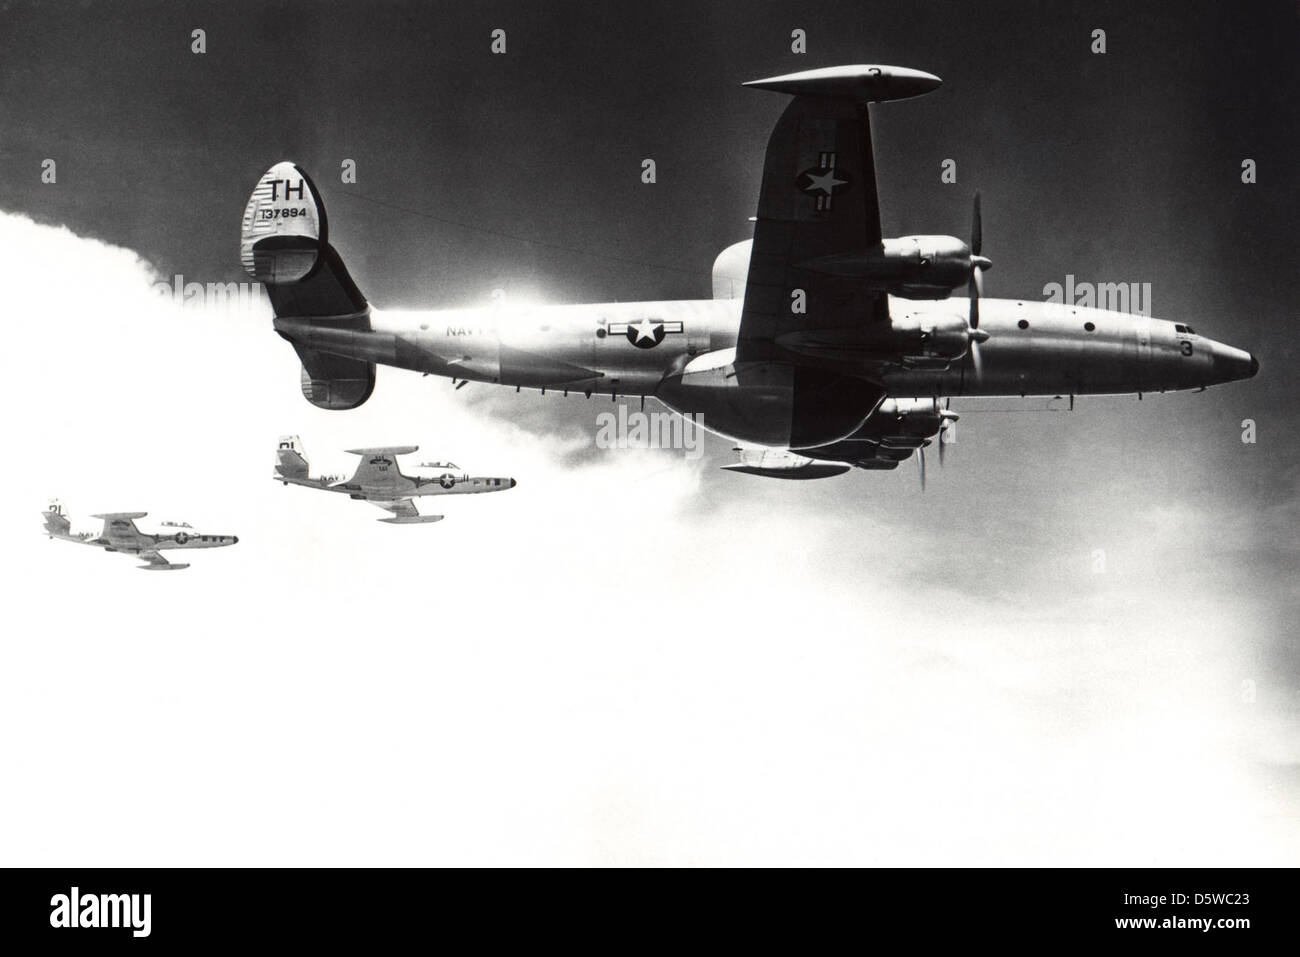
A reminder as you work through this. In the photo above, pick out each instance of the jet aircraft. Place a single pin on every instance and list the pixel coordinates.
(826, 345)
(120, 534)
(380, 481)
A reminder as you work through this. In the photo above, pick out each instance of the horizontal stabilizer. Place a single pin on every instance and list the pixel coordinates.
(154, 567)
(126, 516)
(412, 519)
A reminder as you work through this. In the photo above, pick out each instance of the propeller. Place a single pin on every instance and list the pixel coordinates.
(978, 264)
(920, 461)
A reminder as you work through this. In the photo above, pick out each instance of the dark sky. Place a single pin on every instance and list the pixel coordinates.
(1117, 166)
(1123, 167)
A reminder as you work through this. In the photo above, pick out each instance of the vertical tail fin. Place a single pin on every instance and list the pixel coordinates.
(56, 519)
(285, 245)
(290, 463)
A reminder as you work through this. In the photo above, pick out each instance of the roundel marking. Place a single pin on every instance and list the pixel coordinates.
(645, 333)
(824, 181)
(447, 480)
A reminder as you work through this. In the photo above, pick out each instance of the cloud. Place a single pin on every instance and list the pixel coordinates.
(630, 658)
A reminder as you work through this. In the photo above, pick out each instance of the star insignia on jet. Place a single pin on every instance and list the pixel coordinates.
(645, 333)
(823, 180)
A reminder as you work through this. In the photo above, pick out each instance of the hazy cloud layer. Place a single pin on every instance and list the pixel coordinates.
(634, 659)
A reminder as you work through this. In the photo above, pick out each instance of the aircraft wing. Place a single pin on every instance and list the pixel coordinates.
(379, 466)
(117, 524)
(818, 200)
(404, 512)
(156, 562)
(892, 435)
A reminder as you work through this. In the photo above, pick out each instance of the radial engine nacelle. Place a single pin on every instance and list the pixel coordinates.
(914, 267)
(928, 335)
(909, 423)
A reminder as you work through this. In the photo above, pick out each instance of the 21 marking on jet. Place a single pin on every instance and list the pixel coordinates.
(120, 534)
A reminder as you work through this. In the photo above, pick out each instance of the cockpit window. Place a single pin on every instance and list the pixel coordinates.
(1179, 327)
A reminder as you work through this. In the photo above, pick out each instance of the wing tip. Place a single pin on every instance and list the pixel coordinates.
(867, 82)
(385, 450)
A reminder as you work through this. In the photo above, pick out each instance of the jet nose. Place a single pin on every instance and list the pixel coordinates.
(513, 483)
(234, 539)
(1232, 364)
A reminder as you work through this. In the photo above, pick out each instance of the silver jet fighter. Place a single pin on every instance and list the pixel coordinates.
(120, 534)
(380, 481)
(825, 346)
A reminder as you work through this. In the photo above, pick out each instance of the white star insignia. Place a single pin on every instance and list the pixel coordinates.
(825, 182)
(645, 329)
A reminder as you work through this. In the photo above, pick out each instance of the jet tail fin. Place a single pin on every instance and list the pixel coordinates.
(56, 519)
(290, 463)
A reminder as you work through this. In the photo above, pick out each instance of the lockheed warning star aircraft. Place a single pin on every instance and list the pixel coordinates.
(380, 481)
(121, 535)
(825, 346)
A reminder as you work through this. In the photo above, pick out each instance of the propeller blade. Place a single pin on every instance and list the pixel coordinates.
(978, 263)
(942, 443)
(921, 459)
(976, 361)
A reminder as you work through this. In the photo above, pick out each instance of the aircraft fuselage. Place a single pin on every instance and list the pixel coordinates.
(132, 540)
(642, 348)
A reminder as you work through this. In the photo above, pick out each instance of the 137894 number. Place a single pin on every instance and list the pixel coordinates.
(283, 213)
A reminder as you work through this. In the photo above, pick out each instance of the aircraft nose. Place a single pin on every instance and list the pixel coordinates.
(513, 483)
(234, 539)
(1232, 364)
